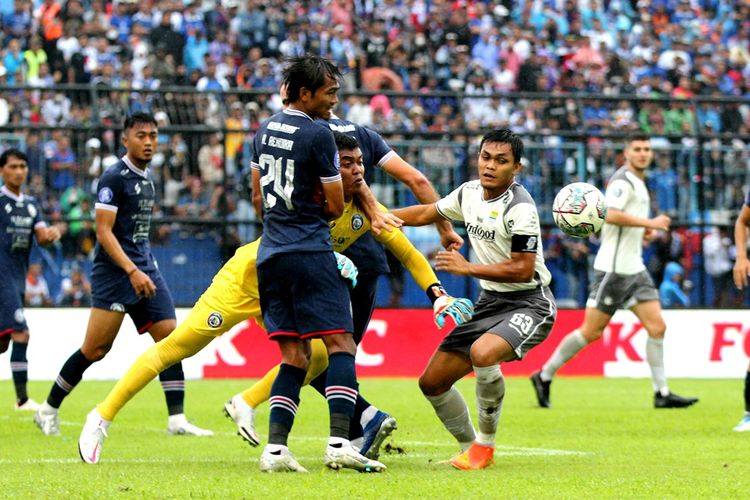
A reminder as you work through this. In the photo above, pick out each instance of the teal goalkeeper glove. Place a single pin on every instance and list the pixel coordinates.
(460, 309)
(347, 268)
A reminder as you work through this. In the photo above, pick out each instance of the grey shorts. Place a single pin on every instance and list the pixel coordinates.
(611, 291)
(523, 319)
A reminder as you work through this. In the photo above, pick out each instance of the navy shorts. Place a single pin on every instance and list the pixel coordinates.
(363, 303)
(111, 290)
(303, 295)
(12, 318)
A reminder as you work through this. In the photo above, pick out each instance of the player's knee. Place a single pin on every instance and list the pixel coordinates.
(4, 343)
(96, 353)
(657, 330)
(340, 342)
(432, 387)
(591, 335)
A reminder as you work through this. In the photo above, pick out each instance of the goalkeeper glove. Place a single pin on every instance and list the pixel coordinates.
(347, 268)
(443, 305)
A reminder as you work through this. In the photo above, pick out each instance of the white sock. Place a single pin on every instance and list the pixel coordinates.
(490, 393)
(46, 408)
(452, 410)
(274, 448)
(655, 358)
(569, 347)
(367, 415)
(337, 442)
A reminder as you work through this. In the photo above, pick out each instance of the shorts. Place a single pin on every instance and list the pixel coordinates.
(113, 293)
(523, 319)
(363, 304)
(611, 291)
(303, 295)
(12, 318)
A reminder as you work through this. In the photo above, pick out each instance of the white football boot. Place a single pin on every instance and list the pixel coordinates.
(47, 419)
(346, 457)
(91, 440)
(279, 461)
(178, 425)
(29, 405)
(243, 416)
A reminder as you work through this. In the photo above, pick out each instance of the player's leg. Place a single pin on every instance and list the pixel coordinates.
(19, 367)
(101, 332)
(650, 315)
(744, 424)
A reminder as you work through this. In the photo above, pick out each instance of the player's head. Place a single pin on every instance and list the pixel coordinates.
(312, 84)
(638, 152)
(350, 162)
(139, 136)
(500, 154)
(15, 168)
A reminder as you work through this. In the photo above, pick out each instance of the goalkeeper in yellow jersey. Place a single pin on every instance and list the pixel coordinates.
(233, 297)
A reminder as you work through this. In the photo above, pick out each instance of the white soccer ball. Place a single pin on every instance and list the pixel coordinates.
(579, 209)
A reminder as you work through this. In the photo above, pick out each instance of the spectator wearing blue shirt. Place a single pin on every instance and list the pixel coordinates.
(663, 184)
(670, 290)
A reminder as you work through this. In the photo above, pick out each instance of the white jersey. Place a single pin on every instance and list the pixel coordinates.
(621, 250)
(492, 225)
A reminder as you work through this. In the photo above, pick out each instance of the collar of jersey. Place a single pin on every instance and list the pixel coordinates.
(296, 112)
(132, 167)
(13, 196)
(505, 193)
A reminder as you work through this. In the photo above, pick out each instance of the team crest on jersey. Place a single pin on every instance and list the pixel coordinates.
(137, 189)
(105, 195)
(117, 307)
(32, 210)
(357, 222)
(8, 208)
(18, 315)
(215, 320)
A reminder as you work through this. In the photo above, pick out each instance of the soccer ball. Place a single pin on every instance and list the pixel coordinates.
(579, 209)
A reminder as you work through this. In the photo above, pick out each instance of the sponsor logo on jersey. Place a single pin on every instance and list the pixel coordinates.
(479, 232)
(215, 320)
(137, 189)
(357, 222)
(105, 195)
(342, 128)
(18, 315)
(117, 307)
(282, 127)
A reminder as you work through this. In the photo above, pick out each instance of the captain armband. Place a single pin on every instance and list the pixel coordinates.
(526, 243)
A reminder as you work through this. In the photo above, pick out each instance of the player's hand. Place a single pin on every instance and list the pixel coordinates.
(384, 221)
(460, 309)
(661, 222)
(142, 284)
(347, 268)
(452, 261)
(451, 240)
(53, 234)
(740, 273)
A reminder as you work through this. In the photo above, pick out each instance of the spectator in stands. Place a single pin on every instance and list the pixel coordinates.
(671, 293)
(211, 161)
(718, 263)
(75, 289)
(37, 290)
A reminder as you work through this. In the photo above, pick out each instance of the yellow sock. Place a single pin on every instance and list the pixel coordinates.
(180, 344)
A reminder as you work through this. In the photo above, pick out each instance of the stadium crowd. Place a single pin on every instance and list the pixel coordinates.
(658, 49)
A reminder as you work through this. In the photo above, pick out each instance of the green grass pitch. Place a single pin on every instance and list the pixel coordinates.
(602, 439)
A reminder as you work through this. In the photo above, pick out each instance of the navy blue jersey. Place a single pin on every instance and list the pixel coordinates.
(129, 192)
(19, 216)
(366, 253)
(295, 156)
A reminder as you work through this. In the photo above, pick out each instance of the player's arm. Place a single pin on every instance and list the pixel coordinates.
(622, 218)
(518, 269)
(741, 265)
(416, 181)
(334, 198)
(418, 215)
(105, 220)
(257, 194)
(379, 220)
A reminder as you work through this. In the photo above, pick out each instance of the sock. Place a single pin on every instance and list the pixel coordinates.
(356, 426)
(655, 358)
(451, 409)
(173, 384)
(341, 392)
(490, 393)
(69, 376)
(747, 393)
(284, 402)
(180, 344)
(569, 347)
(20, 369)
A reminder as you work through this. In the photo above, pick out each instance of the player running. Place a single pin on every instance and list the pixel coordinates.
(741, 272)
(515, 310)
(125, 278)
(621, 279)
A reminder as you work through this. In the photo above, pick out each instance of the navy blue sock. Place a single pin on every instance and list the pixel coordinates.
(173, 383)
(355, 429)
(70, 374)
(19, 367)
(747, 392)
(341, 392)
(284, 402)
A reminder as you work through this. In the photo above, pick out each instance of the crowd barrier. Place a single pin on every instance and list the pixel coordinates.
(699, 344)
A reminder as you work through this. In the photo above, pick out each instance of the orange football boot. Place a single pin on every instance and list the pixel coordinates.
(476, 457)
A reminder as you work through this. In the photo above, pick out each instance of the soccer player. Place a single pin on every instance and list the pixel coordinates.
(125, 278)
(20, 220)
(620, 277)
(233, 297)
(741, 272)
(515, 310)
(370, 426)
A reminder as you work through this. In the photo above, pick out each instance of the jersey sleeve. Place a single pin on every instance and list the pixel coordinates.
(450, 206)
(618, 193)
(523, 223)
(254, 161)
(325, 151)
(381, 152)
(411, 258)
(38, 219)
(110, 192)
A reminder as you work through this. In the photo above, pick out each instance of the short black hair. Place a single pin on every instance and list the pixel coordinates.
(637, 136)
(344, 141)
(308, 72)
(12, 152)
(505, 136)
(138, 118)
